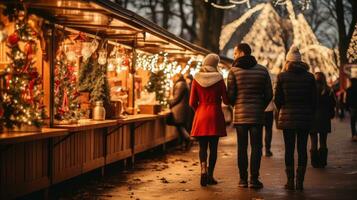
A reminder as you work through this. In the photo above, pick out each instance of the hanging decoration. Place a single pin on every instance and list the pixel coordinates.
(69, 50)
(79, 39)
(117, 60)
(102, 56)
(88, 48)
(22, 102)
(66, 94)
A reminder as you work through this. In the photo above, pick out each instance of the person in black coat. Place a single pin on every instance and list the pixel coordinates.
(325, 111)
(351, 101)
(295, 99)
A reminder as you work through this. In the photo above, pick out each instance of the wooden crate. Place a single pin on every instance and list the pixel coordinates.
(150, 109)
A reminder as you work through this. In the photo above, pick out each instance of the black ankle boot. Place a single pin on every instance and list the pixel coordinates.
(290, 185)
(315, 158)
(204, 179)
(211, 180)
(323, 152)
(300, 175)
(204, 174)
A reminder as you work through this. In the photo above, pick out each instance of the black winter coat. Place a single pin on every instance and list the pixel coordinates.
(249, 90)
(179, 103)
(325, 111)
(351, 98)
(295, 97)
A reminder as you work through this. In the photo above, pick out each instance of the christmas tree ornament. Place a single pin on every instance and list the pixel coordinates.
(94, 45)
(79, 39)
(21, 15)
(1, 111)
(13, 39)
(102, 57)
(30, 48)
(69, 50)
(86, 51)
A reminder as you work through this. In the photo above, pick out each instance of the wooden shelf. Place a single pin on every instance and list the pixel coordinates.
(137, 118)
(86, 124)
(17, 137)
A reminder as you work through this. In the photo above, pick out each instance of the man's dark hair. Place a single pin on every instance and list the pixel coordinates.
(245, 48)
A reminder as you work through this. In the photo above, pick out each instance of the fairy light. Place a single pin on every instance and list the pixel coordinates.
(352, 49)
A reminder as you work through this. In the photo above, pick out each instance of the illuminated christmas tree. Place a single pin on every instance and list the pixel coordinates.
(66, 94)
(156, 84)
(22, 93)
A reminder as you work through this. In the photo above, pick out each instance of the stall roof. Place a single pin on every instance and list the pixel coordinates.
(110, 21)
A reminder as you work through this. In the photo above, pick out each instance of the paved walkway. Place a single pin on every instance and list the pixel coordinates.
(176, 175)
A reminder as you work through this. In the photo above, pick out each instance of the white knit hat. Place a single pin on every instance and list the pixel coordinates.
(293, 54)
(210, 62)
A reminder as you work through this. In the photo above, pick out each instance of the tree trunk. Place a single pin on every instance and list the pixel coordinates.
(209, 25)
(344, 37)
(166, 13)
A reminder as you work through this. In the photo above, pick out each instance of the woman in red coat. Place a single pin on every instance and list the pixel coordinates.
(207, 92)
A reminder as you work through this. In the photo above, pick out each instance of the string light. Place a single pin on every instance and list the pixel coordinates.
(161, 62)
(352, 49)
(269, 49)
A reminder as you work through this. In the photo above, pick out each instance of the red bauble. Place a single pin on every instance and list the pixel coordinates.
(1, 111)
(126, 61)
(33, 74)
(13, 39)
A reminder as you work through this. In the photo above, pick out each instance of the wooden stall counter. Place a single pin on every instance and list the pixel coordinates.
(17, 137)
(87, 124)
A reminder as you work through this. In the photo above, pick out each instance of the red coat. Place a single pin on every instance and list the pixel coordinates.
(206, 101)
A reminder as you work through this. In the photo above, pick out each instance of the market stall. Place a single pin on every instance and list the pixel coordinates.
(83, 84)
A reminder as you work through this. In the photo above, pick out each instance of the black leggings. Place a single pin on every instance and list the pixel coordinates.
(290, 137)
(315, 137)
(212, 142)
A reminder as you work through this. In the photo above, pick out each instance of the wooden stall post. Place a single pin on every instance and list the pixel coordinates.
(52, 57)
(132, 71)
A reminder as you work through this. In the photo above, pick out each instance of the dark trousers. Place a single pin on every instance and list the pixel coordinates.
(184, 135)
(210, 142)
(255, 132)
(290, 136)
(353, 121)
(315, 138)
(268, 127)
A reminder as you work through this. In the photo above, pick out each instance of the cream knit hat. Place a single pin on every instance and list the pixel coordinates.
(293, 54)
(210, 62)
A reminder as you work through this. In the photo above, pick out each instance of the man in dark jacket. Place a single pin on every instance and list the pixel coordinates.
(180, 107)
(249, 91)
(351, 101)
(295, 99)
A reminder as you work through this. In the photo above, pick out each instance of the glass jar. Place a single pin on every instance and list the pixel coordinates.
(99, 111)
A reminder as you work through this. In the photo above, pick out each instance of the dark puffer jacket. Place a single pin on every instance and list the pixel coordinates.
(249, 90)
(351, 99)
(179, 103)
(295, 97)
